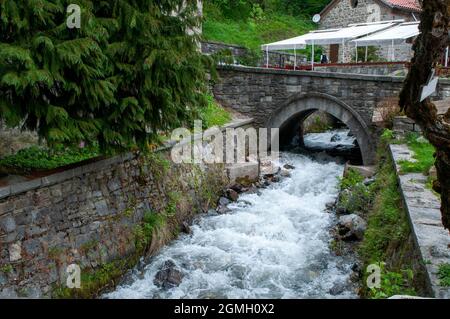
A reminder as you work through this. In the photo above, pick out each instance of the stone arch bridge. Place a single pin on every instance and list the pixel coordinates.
(283, 99)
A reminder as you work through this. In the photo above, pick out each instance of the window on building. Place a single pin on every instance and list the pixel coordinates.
(354, 3)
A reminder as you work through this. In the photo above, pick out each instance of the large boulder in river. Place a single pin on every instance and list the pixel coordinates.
(335, 138)
(351, 227)
(169, 276)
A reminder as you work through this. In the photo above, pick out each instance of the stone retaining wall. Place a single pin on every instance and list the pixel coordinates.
(423, 211)
(88, 216)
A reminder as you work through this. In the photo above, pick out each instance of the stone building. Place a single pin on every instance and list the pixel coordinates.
(341, 13)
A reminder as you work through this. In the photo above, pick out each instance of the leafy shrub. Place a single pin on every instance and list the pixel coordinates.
(355, 196)
(444, 275)
(393, 283)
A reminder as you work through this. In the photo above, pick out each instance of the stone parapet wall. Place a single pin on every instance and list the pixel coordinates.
(366, 68)
(424, 216)
(210, 47)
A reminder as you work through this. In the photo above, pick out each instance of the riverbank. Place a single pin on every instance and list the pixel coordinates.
(390, 241)
(271, 242)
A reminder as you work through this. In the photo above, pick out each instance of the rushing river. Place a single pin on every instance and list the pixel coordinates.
(272, 245)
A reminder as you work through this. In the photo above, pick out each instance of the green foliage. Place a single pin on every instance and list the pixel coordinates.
(243, 9)
(387, 233)
(39, 158)
(172, 203)
(357, 196)
(251, 33)
(6, 269)
(423, 155)
(444, 275)
(351, 179)
(94, 281)
(387, 136)
(372, 54)
(143, 233)
(130, 71)
(318, 126)
(393, 283)
(214, 114)
(387, 223)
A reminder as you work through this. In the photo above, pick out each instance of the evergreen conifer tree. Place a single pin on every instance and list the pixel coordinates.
(132, 69)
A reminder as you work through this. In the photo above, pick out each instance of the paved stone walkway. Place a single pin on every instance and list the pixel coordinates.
(423, 208)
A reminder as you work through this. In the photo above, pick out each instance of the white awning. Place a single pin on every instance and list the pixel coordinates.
(291, 44)
(288, 44)
(345, 34)
(330, 36)
(394, 35)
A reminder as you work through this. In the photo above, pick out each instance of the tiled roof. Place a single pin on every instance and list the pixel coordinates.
(405, 4)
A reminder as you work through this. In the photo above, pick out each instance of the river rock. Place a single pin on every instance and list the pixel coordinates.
(185, 228)
(288, 166)
(337, 289)
(232, 195)
(351, 227)
(253, 190)
(223, 201)
(237, 188)
(285, 173)
(169, 276)
(269, 168)
(223, 210)
(335, 138)
(369, 181)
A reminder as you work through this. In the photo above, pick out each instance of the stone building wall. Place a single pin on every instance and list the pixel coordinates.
(342, 14)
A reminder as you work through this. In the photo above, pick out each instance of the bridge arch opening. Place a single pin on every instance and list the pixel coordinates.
(289, 118)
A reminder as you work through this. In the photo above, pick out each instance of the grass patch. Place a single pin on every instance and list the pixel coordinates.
(423, 154)
(385, 241)
(214, 114)
(6, 269)
(94, 282)
(144, 232)
(444, 275)
(252, 33)
(37, 158)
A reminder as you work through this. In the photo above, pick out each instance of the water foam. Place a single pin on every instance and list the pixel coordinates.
(272, 245)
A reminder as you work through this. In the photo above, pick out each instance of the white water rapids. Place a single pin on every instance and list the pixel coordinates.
(272, 245)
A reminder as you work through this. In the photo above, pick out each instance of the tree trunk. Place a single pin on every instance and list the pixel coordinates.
(429, 46)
